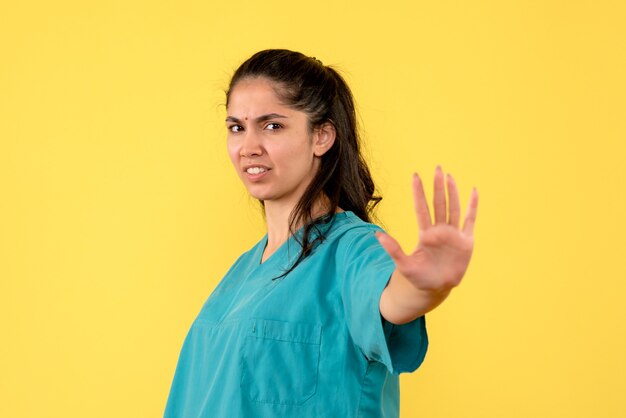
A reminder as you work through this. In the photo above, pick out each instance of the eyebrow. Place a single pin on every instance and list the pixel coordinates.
(259, 119)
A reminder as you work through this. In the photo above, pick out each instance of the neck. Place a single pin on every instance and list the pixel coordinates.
(277, 218)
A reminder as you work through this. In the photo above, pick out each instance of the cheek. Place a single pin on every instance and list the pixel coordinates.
(298, 160)
(299, 147)
(233, 151)
(293, 155)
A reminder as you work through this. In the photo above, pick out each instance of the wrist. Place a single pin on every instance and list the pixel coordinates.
(402, 301)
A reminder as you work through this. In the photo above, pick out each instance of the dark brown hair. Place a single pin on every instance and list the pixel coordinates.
(305, 84)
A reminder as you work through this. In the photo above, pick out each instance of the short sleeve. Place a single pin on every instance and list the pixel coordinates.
(367, 268)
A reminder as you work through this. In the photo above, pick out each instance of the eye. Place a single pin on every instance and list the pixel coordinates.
(235, 128)
(273, 126)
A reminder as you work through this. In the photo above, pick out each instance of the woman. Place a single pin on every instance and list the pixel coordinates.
(322, 314)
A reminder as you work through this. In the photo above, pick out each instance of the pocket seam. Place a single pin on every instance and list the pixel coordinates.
(288, 332)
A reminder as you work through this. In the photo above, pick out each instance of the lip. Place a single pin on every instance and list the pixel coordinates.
(247, 166)
(256, 177)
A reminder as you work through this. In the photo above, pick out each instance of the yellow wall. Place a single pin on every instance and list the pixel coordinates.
(120, 211)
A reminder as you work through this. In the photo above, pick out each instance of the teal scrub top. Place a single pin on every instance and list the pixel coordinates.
(310, 344)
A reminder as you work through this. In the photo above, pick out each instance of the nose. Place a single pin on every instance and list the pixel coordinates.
(251, 145)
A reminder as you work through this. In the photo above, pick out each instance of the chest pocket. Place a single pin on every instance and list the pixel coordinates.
(280, 361)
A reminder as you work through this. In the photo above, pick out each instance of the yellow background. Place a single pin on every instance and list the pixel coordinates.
(120, 211)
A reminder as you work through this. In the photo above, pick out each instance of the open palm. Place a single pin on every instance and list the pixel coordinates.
(443, 253)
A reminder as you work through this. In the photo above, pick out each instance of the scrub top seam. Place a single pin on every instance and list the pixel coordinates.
(358, 407)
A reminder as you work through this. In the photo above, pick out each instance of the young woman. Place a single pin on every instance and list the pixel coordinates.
(321, 315)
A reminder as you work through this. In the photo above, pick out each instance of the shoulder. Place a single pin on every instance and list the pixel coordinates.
(355, 236)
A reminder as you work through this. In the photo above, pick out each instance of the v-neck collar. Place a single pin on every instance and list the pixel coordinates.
(289, 244)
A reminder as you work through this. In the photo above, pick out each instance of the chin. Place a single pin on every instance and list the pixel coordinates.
(269, 196)
(260, 196)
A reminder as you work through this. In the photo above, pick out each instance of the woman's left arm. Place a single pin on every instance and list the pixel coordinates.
(424, 278)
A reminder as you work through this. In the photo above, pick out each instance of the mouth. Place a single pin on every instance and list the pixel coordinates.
(256, 173)
(256, 170)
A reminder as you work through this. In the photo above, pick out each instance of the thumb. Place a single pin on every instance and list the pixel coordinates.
(391, 246)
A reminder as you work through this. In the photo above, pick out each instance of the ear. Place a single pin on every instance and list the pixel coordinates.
(324, 138)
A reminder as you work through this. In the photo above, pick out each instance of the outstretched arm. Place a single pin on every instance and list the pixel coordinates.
(424, 278)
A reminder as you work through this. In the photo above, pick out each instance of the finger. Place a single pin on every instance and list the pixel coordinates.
(455, 206)
(472, 210)
(392, 247)
(421, 206)
(439, 197)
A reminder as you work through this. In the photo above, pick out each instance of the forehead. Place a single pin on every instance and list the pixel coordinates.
(255, 93)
